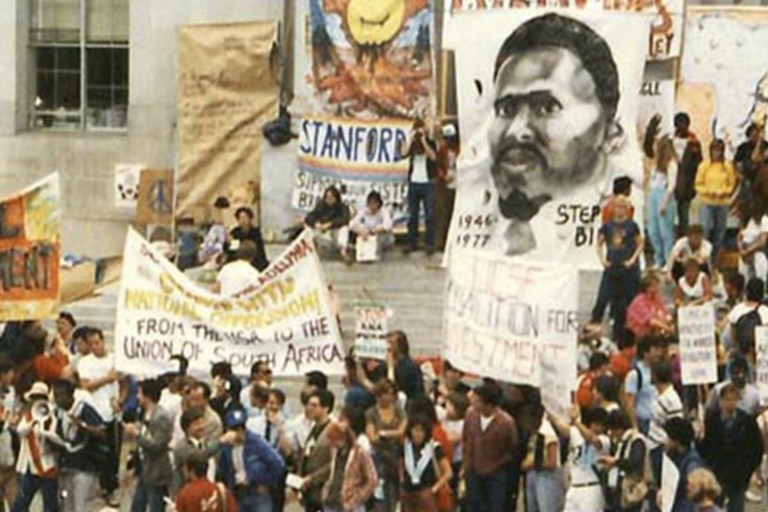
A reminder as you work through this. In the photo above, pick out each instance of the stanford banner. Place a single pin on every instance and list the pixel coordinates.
(284, 319)
(30, 249)
(355, 156)
(370, 58)
(548, 106)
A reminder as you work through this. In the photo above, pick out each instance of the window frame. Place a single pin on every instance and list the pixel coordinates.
(83, 45)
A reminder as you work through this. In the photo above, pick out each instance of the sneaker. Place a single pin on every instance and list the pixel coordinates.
(753, 497)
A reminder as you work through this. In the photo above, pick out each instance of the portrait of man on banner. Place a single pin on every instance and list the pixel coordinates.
(554, 140)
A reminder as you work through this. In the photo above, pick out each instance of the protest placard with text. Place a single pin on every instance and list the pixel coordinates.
(698, 350)
(285, 318)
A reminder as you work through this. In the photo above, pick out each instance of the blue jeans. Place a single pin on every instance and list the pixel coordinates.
(254, 502)
(490, 493)
(148, 497)
(545, 490)
(618, 286)
(661, 228)
(421, 193)
(30, 484)
(714, 220)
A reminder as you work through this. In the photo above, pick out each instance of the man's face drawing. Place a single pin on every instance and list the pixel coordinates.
(549, 124)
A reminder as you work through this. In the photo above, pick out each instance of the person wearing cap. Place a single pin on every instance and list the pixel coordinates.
(153, 437)
(445, 186)
(248, 465)
(36, 462)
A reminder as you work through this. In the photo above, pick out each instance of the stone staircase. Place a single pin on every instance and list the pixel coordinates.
(411, 286)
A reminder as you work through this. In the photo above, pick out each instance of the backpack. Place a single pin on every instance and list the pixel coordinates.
(636, 487)
(745, 331)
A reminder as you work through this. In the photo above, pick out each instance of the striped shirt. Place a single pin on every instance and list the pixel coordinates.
(666, 405)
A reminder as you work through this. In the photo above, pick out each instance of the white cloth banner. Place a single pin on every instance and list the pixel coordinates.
(548, 105)
(698, 350)
(513, 321)
(761, 368)
(284, 319)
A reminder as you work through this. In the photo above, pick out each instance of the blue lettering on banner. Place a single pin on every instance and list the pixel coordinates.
(373, 144)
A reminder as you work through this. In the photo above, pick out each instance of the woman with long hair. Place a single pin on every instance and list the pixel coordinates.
(661, 201)
(425, 467)
(385, 427)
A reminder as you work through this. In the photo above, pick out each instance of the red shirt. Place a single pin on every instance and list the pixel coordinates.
(49, 368)
(202, 495)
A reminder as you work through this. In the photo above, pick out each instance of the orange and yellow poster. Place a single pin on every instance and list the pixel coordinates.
(29, 252)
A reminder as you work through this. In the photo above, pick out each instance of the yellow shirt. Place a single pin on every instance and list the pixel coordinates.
(715, 182)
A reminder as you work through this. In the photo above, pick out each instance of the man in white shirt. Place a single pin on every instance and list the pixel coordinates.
(99, 377)
(238, 275)
(693, 245)
(666, 405)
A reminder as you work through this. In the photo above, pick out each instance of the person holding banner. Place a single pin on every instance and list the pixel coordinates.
(330, 222)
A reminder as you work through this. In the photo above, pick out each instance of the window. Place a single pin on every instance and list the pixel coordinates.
(79, 64)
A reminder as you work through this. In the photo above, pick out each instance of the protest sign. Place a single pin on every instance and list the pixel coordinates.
(357, 157)
(670, 477)
(698, 351)
(284, 319)
(155, 205)
(371, 332)
(370, 59)
(761, 366)
(127, 185)
(542, 200)
(513, 321)
(227, 90)
(30, 249)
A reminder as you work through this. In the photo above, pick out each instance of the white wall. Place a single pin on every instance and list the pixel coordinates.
(86, 161)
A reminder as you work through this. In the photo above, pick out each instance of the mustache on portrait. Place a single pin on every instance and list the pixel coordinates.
(509, 145)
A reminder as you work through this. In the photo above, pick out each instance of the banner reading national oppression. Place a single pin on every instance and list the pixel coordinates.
(513, 321)
(355, 156)
(698, 349)
(227, 90)
(284, 319)
(548, 108)
(370, 58)
(29, 252)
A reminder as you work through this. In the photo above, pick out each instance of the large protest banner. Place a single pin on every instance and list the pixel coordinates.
(226, 91)
(355, 156)
(30, 248)
(284, 319)
(536, 166)
(664, 16)
(724, 83)
(370, 59)
(698, 349)
(513, 321)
